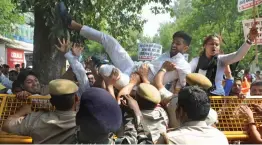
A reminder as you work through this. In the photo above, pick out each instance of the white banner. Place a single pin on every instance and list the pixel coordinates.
(247, 4)
(247, 24)
(149, 51)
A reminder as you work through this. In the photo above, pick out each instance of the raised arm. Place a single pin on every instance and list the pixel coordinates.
(77, 67)
(242, 51)
(116, 52)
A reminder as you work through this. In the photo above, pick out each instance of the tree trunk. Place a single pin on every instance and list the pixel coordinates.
(48, 63)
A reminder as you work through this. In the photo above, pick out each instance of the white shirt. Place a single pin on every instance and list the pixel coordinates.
(222, 62)
(182, 68)
(79, 71)
(197, 132)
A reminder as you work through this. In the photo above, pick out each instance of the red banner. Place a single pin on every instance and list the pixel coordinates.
(14, 56)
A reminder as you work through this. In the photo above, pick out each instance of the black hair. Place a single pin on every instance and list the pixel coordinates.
(211, 37)
(181, 34)
(13, 71)
(256, 83)
(16, 84)
(17, 65)
(247, 70)
(23, 75)
(258, 72)
(195, 102)
(63, 102)
(5, 66)
(237, 79)
(89, 73)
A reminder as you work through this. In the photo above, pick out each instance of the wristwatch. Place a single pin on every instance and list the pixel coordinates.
(248, 41)
(162, 69)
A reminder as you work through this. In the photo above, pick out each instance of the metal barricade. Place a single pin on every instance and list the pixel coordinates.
(9, 105)
(230, 120)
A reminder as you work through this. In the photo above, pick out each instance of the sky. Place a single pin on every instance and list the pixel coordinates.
(153, 21)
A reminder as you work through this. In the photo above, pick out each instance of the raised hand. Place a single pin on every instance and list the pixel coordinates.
(64, 45)
(253, 33)
(143, 70)
(77, 49)
(169, 66)
(89, 63)
(132, 104)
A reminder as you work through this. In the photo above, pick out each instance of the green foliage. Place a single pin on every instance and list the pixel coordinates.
(8, 15)
(116, 17)
(201, 18)
(119, 18)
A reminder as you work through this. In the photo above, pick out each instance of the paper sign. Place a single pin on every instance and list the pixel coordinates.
(247, 24)
(247, 4)
(149, 51)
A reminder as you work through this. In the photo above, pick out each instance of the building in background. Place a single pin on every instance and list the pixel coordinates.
(17, 46)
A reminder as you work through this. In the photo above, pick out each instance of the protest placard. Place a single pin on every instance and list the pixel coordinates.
(247, 4)
(149, 51)
(247, 24)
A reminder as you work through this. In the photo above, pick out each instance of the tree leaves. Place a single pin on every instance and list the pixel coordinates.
(201, 18)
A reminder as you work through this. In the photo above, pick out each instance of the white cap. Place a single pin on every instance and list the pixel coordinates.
(123, 81)
(106, 70)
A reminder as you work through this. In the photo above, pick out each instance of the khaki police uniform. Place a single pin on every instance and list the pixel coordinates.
(48, 127)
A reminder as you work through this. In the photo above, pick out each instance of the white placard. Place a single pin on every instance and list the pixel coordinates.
(247, 24)
(247, 4)
(149, 51)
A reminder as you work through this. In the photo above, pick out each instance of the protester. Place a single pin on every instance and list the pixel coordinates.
(30, 85)
(17, 68)
(48, 127)
(23, 67)
(248, 76)
(192, 110)
(237, 88)
(99, 115)
(252, 129)
(91, 78)
(4, 80)
(73, 58)
(229, 80)
(256, 88)
(245, 86)
(118, 55)
(13, 75)
(212, 64)
(169, 100)
(5, 70)
(258, 76)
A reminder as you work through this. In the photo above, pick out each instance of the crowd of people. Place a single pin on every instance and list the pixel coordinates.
(127, 102)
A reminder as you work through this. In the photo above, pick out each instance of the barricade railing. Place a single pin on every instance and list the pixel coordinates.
(9, 105)
(231, 123)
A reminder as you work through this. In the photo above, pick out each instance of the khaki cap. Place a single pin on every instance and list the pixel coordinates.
(199, 80)
(149, 93)
(62, 87)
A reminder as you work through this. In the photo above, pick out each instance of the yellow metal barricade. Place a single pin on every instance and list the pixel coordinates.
(230, 120)
(9, 105)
